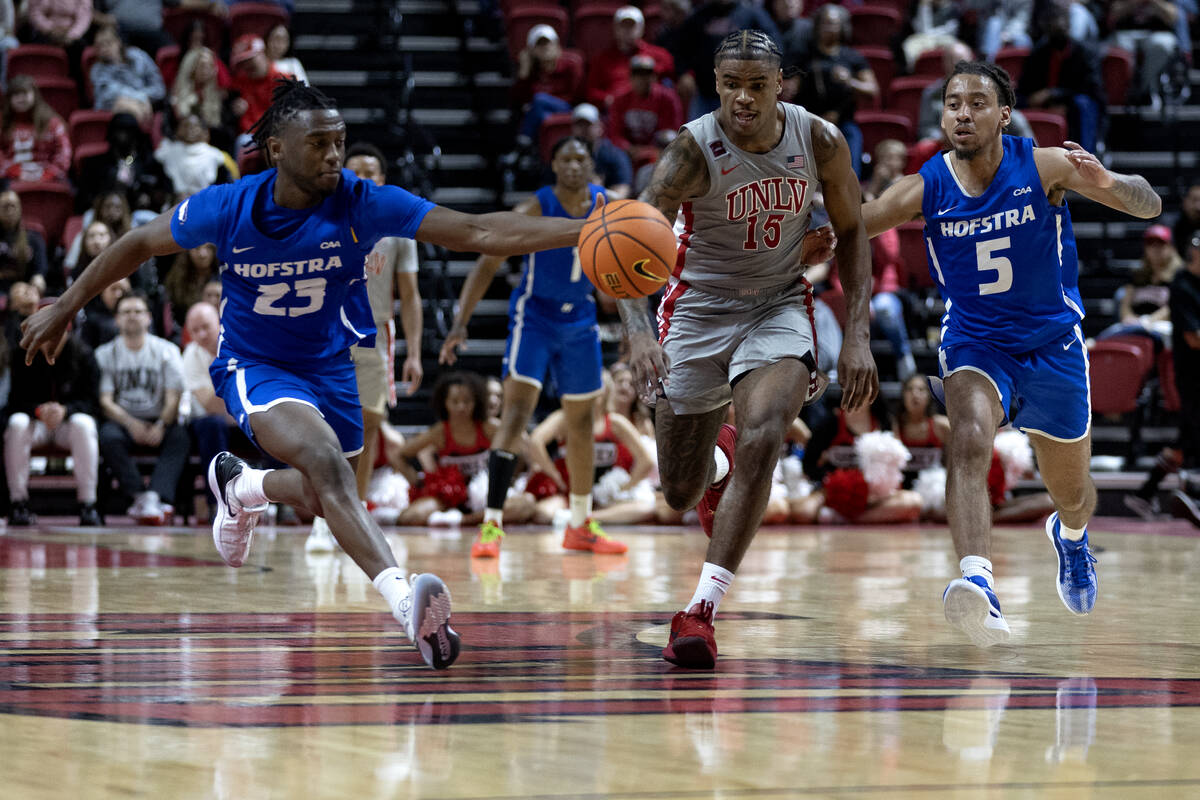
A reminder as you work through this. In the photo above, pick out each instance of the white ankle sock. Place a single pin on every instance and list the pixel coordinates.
(494, 516)
(722, 464)
(1071, 534)
(973, 566)
(714, 582)
(581, 508)
(248, 487)
(392, 584)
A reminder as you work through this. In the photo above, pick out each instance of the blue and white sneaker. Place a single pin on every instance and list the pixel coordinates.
(972, 607)
(1076, 575)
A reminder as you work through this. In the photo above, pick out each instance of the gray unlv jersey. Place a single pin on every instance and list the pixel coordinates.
(743, 236)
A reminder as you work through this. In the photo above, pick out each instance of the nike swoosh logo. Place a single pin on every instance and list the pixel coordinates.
(731, 169)
(943, 211)
(1067, 346)
(640, 268)
(237, 250)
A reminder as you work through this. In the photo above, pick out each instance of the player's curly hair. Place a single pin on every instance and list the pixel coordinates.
(289, 98)
(997, 75)
(748, 45)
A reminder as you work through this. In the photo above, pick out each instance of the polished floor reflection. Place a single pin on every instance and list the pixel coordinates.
(134, 664)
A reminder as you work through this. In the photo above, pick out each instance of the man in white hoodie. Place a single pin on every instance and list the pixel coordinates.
(190, 161)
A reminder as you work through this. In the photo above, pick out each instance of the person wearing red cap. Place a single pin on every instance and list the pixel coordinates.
(1144, 302)
(609, 74)
(253, 78)
(644, 113)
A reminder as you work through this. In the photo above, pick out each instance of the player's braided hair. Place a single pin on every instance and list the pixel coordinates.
(289, 98)
(748, 45)
(997, 75)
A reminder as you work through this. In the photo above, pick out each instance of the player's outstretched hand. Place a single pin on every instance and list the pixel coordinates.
(412, 372)
(857, 374)
(45, 332)
(1088, 166)
(817, 245)
(649, 364)
(456, 338)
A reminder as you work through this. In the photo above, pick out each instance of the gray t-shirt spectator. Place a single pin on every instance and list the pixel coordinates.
(138, 379)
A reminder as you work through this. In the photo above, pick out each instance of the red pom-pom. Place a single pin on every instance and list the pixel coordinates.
(448, 486)
(995, 481)
(541, 486)
(846, 492)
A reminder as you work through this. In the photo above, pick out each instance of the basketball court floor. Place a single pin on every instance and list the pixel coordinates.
(134, 664)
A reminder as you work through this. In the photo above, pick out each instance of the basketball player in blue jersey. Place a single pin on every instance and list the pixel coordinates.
(293, 243)
(552, 327)
(1003, 254)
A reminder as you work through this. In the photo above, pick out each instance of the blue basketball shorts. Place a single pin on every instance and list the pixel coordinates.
(1045, 391)
(570, 352)
(249, 387)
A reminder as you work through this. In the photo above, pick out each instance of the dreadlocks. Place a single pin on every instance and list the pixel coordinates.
(288, 100)
(748, 45)
(997, 75)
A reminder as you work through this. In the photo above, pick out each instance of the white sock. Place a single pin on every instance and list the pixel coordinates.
(977, 566)
(392, 584)
(248, 487)
(714, 582)
(494, 516)
(1073, 534)
(722, 464)
(581, 508)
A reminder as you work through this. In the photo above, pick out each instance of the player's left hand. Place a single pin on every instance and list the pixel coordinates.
(1088, 166)
(412, 372)
(817, 245)
(43, 331)
(857, 374)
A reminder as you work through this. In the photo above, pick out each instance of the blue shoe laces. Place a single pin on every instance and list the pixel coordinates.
(1079, 565)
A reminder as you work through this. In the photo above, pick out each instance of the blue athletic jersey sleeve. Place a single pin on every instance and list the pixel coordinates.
(200, 219)
(381, 211)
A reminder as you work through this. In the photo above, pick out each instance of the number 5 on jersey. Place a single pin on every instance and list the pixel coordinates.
(986, 260)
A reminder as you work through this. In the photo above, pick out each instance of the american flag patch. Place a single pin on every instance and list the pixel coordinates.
(795, 162)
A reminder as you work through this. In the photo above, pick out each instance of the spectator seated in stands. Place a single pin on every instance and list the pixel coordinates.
(190, 162)
(140, 21)
(54, 404)
(95, 237)
(643, 113)
(548, 81)
(22, 251)
(141, 381)
(100, 315)
(795, 29)
(112, 209)
(932, 25)
(202, 87)
(1147, 28)
(1145, 302)
(1189, 218)
(614, 170)
(191, 271)
(125, 79)
(609, 73)
(839, 76)
(34, 145)
(1006, 23)
(23, 299)
(211, 293)
(253, 79)
(1063, 75)
(206, 415)
(128, 167)
(57, 22)
(278, 42)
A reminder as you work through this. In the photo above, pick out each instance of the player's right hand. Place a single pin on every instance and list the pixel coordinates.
(649, 364)
(456, 338)
(43, 331)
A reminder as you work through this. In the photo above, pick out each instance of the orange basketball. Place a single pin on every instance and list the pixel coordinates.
(627, 249)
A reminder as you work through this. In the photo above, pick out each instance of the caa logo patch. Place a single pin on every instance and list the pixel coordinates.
(1019, 192)
(330, 245)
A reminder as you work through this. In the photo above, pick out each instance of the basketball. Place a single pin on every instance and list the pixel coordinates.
(627, 249)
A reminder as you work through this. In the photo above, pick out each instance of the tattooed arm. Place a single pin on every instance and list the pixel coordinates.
(1077, 169)
(680, 173)
(843, 201)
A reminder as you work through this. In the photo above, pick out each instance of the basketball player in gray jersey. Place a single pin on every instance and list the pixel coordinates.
(736, 321)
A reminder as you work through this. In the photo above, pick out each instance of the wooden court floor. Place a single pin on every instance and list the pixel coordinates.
(134, 664)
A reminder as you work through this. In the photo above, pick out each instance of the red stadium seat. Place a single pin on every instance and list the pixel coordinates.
(1168, 391)
(873, 25)
(879, 125)
(1011, 60)
(904, 96)
(178, 23)
(37, 60)
(1117, 69)
(554, 127)
(85, 61)
(88, 126)
(256, 18)
(1118, 370)
(921, 152)
(914, 256)
(47, 203)
(592, 30)
(1049, 129)
(520, 20)
(167, 59)
(62, 94)
(929, 63)
(883, 64)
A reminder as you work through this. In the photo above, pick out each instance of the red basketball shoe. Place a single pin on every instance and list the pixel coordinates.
(707, 507)
(591, 537)
(693, 643)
